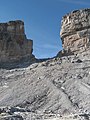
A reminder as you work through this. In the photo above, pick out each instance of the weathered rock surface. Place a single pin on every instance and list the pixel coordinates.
(51, 89)
(75, 31)
(56, 86)
(17, 113)
(13, 42)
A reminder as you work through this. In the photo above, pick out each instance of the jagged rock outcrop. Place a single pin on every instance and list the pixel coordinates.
(13, 42)
(49, 89)
(75, 31)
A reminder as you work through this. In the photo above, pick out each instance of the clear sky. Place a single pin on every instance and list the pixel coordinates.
(42, 20)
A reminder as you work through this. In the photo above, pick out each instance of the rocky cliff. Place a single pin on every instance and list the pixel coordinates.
(13, 42)
(51, 89)
(75, 31)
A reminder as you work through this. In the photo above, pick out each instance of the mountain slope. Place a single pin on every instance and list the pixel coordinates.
(58, 85)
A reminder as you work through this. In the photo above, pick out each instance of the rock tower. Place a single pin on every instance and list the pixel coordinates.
(75, 31)
(13, 42)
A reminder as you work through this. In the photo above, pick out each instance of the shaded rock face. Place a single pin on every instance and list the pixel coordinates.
(13, 42)
(75, 31)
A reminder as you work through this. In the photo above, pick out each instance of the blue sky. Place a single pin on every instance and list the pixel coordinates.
(42, 20)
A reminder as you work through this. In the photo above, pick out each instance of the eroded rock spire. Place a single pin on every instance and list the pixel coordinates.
(13, 42)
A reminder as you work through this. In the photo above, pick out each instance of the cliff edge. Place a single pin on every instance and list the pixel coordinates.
(75, 32)
(14, 44)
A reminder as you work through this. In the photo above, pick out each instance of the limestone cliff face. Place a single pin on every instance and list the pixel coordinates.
(13, 42)
(75, 31)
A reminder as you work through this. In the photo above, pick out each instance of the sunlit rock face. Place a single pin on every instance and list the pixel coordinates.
(13, 42)
(75, 31)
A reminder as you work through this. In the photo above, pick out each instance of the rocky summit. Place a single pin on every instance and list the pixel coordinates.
(13, 42)
(75, 31)
(51, 89)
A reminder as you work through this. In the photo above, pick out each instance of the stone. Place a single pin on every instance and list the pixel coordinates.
(14, 44)
(12, 117)
(75, 31)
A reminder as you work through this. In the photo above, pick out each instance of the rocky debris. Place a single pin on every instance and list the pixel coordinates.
(13, 42)
(11, 117)
(55, 86)
(17, 113)
(75, 31)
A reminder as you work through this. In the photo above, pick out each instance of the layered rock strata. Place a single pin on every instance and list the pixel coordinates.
(75, 31)
(13, 42)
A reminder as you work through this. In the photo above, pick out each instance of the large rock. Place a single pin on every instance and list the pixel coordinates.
(75, 31)
(13, 42)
